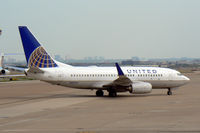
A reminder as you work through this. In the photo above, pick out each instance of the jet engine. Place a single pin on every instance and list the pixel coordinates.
(3, 72)
(140, 88)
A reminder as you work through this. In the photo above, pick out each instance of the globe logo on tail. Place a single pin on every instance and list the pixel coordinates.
(40, 58)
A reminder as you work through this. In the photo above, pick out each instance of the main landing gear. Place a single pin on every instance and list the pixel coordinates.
(99, 93)
(169, 92)
(112, 93)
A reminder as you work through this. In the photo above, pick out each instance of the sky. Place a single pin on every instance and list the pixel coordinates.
(118, 29)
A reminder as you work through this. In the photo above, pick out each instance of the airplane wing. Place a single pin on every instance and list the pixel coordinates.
(30, 70)
(13, 68)
(123, 80)
(10, 76)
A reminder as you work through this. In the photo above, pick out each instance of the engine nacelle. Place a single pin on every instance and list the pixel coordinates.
(141, 87)
(4, 72)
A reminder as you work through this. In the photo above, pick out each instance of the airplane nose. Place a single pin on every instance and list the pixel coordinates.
(186, 79)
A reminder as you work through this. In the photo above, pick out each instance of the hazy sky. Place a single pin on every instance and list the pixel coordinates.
(109, 28)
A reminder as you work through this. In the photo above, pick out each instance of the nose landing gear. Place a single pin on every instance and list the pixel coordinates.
(169, 92)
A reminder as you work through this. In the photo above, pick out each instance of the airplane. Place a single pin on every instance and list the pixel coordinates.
(136, 80)
(5, 73)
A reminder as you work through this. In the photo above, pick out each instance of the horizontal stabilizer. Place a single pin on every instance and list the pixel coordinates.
(35, 70)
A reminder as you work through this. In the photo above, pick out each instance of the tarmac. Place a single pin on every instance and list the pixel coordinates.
(38, 107)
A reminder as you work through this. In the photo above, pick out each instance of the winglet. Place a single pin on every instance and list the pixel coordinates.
(119, 70)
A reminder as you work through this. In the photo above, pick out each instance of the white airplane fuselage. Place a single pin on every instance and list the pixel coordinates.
(95, 77)
(113, 79)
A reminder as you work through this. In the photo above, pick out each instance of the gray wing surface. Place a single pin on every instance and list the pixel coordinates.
(122, 80)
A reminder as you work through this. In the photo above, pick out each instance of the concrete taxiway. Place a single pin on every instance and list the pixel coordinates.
(38, 107)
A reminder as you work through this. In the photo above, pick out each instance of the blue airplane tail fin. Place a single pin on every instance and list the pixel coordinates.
(36, 56)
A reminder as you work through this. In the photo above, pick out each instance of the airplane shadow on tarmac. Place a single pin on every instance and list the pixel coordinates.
(35, 97)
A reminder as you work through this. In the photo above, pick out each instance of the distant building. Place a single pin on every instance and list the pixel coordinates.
(59, 58)
(135, 58)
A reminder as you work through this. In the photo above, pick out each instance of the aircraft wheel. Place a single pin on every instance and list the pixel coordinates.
(112, 93)
(169, 92)
(99, 93)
